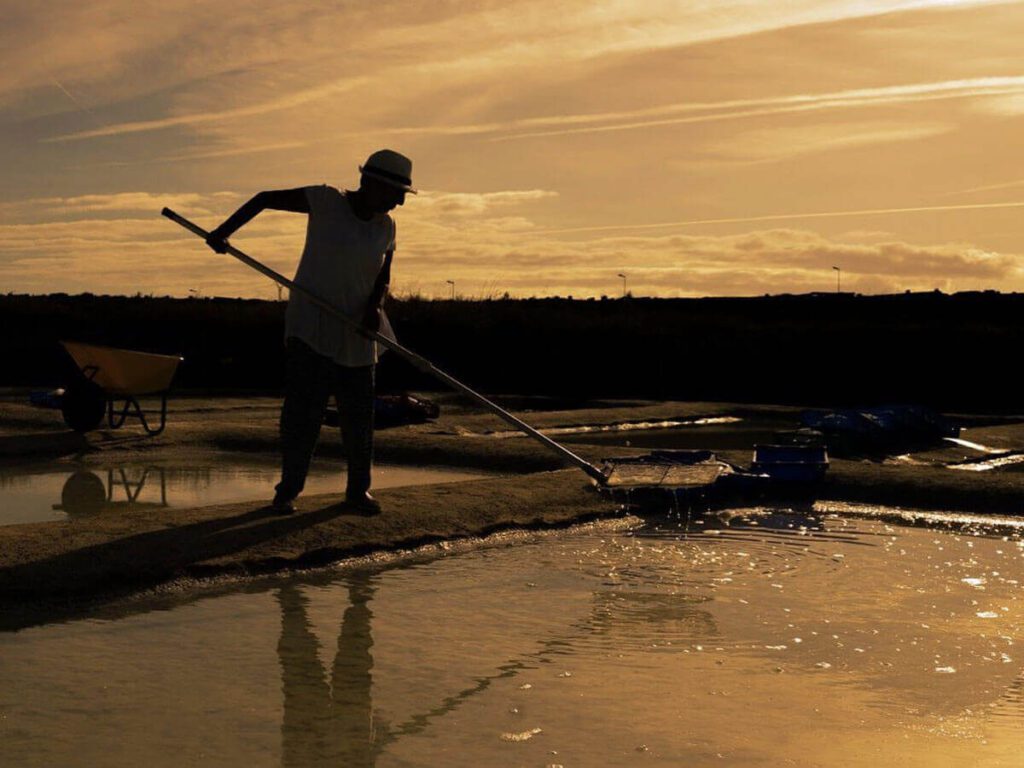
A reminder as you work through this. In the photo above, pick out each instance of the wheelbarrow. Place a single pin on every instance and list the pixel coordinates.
(110, 383)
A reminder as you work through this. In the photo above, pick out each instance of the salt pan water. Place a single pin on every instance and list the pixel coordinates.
(761, 637)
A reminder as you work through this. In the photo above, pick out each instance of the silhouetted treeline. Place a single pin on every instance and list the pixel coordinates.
(952, 352)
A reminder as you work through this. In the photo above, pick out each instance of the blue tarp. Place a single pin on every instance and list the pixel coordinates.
(895, 423)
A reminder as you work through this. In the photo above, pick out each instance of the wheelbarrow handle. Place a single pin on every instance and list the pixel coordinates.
(416, 360)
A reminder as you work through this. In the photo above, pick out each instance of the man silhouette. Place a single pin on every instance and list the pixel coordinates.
(350, 240)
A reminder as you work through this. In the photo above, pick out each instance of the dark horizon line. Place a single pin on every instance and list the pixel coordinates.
(554, 297)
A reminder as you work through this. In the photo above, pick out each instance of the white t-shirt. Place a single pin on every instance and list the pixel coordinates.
(340, 263)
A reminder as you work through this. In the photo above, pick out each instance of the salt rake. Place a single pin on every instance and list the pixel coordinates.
(678, 473)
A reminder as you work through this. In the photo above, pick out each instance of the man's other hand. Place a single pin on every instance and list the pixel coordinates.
(217, 241)
(371, 319)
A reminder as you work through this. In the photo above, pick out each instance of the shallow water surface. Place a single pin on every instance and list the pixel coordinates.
(725, 433)
(623, 426)
(32, 497)
(756, 638)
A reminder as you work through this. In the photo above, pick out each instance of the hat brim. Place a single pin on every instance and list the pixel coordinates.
(386, 179)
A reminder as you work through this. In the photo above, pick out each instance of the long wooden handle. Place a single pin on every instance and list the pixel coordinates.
(419, 362)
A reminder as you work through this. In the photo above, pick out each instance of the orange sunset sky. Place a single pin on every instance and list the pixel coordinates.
(702, 147)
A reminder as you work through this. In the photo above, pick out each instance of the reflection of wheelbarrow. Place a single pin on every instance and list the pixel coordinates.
(85, 493)
(111, 382)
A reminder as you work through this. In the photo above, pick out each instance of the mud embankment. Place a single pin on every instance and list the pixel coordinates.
(63, 564)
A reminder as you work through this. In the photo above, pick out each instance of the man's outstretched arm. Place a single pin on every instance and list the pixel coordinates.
(293, 200)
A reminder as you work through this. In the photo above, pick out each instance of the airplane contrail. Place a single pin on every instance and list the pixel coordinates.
(783, 217)
(987, 188)
(77, 103)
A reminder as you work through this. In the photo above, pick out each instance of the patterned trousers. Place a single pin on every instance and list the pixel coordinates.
(310, 380)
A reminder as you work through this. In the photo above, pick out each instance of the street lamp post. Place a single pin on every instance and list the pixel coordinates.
(839, 273)
(452, 284)
(623, 276)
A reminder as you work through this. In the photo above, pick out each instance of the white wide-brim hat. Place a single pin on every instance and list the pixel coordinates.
(390, 167)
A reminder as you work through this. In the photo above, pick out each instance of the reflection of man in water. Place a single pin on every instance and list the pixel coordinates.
(327, 722)
(350, 239)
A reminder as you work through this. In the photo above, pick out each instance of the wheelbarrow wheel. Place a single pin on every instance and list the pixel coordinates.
(83, 405)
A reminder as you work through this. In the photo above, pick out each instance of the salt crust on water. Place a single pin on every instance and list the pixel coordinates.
(523, 736)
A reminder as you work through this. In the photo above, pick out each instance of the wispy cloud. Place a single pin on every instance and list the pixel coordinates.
(288, 101)
(509, 38)
(475, 203)
(774, 144)
(675, 114)
(790, 216)
(66, 211)
(206, 154)
(678, 113)
(762, 261)
(135, 251)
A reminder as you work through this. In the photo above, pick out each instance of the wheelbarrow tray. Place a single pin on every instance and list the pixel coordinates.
(124, 372)
(109, 375)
